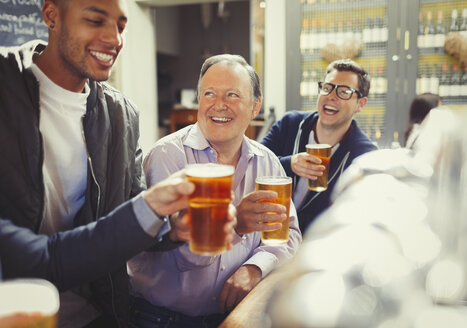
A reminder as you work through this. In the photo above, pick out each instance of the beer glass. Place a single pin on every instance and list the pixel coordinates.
(208, 206)
(28, 303)
(283, 187)
(323, 152)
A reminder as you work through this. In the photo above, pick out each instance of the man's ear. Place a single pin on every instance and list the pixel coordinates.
(256, 108)
(361, 103)
(50, 14)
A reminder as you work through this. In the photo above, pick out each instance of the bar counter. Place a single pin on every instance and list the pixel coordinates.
(249, 312)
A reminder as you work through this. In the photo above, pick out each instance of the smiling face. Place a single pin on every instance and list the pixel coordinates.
(335, 113)
(226, 105)
(87, 37)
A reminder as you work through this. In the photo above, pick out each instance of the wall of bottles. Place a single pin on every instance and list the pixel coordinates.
(439, 72)
(334, 22)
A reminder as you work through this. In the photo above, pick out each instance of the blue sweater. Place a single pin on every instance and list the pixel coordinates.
(295, 127)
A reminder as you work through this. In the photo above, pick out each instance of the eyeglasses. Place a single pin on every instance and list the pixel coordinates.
(342, 91)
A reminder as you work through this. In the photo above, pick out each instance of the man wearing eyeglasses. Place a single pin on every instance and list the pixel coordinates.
(342, 94)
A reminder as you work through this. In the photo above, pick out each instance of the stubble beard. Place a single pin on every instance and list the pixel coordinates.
(74, 58)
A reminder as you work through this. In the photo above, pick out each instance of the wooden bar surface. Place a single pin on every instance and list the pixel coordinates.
(249, 312)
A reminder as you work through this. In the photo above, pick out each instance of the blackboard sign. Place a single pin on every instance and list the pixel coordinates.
(21, 21)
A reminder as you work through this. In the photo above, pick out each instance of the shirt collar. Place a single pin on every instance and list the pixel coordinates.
(196, 140)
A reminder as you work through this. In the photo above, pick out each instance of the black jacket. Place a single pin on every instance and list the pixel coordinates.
(63, 257)
(290, 135)
(111, 131)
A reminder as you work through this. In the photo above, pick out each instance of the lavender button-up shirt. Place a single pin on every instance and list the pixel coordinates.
(190, 283)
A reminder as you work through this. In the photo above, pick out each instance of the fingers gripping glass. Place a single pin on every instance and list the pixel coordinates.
(342, 91)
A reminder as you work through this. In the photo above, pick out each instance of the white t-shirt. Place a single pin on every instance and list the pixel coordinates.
(65, 175)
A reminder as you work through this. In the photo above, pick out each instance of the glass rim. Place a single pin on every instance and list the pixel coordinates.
(274, 180)
(209, 170)
(37, 289)
(318, 146)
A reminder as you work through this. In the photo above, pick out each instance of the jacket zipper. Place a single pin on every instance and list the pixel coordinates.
(97, 212)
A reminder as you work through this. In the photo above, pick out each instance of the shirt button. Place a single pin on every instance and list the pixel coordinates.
(223, 267)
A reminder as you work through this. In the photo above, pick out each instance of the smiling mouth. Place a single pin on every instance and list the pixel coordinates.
(330, 110)
(221, 119)
(104, 58)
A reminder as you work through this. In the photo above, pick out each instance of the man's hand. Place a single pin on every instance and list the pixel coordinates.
(253, 213)
(306, 166)
(180, 223)
(169, 195)
(238, 286)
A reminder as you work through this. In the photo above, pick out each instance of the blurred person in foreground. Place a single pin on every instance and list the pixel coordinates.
(64, 257)
(342, 94)
(70, 141)
(419, 109)
(195, 290)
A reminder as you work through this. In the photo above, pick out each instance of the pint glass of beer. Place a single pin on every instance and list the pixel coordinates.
(208, 206)
(283, 187)
(323, 152)
(26, 303)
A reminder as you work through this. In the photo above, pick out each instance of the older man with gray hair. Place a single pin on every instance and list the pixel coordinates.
(194, 290)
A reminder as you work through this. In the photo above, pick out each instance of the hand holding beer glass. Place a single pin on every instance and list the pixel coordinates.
(283, 187)
(208, 206)
(323, 152)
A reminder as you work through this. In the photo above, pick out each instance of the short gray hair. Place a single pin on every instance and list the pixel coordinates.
(233, 60)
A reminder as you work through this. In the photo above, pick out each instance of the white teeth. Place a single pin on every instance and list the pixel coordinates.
(101, 56)
(330, 108)
(221, 119)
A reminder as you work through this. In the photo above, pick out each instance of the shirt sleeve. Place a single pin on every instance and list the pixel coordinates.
(148, 220)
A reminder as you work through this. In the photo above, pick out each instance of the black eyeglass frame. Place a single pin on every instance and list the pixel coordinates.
(336, 86)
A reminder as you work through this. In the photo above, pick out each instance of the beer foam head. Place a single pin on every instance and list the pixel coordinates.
(274, 180)
(209, 170)
(318, 146)
(27, 296)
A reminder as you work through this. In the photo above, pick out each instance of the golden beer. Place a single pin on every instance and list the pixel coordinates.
(283, 187)
(28, 303)
(323, 152)
(208, 206)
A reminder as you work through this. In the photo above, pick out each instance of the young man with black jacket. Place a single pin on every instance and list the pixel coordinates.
(69, 142)
(342, 94)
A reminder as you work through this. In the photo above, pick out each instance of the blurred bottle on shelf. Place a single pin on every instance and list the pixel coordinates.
(430, 31)
(314, 39)
(367, 30)
(322, 34)
(444, 81)
(340, 34)
(440, 31)
(455, 88)
(375, 32)
(463, 26)
(348, 33)
(305, 36)
(331, 35)
(357, 31)
(384, 32)
(454, 24)
(421, 31)
(381, 84)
